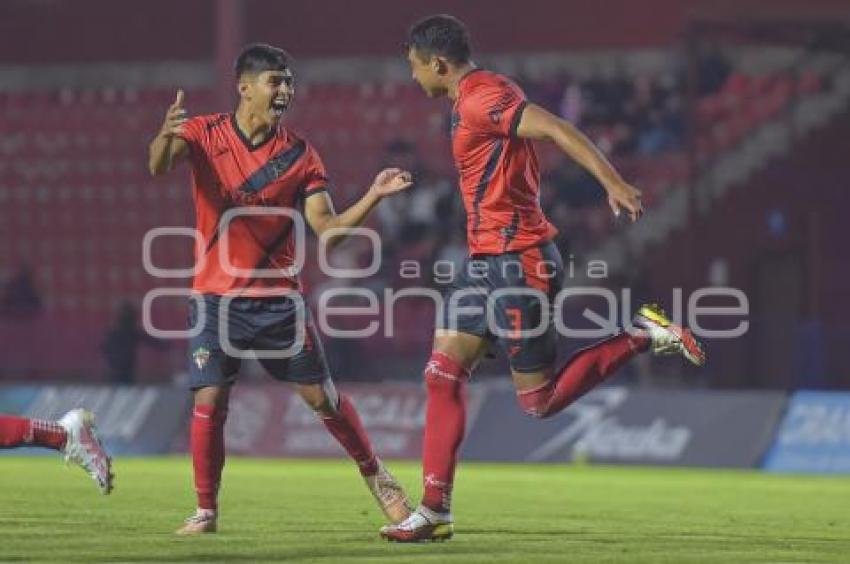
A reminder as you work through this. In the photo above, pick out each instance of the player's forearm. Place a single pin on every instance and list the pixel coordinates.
(581, 149)
(160, 160)
(354, 216)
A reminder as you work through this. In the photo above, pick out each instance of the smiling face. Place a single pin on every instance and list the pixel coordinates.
(268, 94)
(428, 72)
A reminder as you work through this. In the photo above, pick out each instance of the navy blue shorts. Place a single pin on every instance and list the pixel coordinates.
(511, 286)
(263, 326)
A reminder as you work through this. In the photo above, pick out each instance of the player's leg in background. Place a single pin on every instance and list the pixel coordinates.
(21, 431)
(340, 418)
(74, 435)
(308, 370)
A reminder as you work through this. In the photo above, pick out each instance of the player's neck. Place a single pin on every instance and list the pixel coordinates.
(253, 128)
(456, 75)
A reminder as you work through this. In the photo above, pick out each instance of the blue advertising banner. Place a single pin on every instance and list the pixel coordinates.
(619, 425)
(814, 436)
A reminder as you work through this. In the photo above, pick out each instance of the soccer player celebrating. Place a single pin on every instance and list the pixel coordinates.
(245, 282)
(510, 248)
(74, 435)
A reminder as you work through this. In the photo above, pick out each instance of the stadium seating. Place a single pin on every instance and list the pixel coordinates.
(73, 167)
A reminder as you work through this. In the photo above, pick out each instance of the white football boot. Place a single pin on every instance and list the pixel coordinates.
(84, 448)
(423, 525)
(202, 521)
(667, 337)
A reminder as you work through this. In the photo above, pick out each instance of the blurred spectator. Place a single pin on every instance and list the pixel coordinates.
(714, 69)
(20, 296)
(121, 342)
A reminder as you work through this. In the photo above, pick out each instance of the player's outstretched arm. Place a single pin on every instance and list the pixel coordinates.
(321, 216)
(537, 123)
(167, 148)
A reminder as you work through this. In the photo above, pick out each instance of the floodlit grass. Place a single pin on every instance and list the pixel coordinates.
(311, 511)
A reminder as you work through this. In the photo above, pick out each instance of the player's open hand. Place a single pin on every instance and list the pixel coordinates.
(624, 196)
(391, 181)
(175, 117)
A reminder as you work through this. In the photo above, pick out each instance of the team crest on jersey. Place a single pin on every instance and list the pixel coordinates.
(501, 105)
(201, 356)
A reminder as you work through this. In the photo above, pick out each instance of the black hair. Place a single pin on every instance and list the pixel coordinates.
(259, 57)
(441, 35)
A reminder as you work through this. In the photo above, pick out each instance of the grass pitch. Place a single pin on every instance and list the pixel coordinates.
(319, 511)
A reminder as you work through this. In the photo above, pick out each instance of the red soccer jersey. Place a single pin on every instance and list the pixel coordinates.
(228, 172)
(499, 173)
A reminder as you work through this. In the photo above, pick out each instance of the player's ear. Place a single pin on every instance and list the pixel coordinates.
(440, 65)
(243, 88)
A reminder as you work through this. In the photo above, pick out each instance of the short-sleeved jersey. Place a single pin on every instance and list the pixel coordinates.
(229, 172)
(499, 172)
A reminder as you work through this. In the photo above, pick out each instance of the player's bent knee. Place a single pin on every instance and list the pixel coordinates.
(320, 403)
(216, 396)
(443, 369)
(462, 348)
(535, 402)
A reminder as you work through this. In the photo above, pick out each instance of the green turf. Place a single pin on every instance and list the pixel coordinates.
(319, 511)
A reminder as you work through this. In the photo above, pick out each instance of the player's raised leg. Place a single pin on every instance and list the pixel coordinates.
(24, 432)
(542, 395)
(74, 435)
(454, 356)
(340, 418)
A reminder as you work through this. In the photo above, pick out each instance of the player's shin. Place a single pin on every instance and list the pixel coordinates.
(207, 443)
(587, 369)
(445, 420)
(347, 429)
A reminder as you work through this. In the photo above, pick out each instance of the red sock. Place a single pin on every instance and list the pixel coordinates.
(20, 431)
(220, 417)
(445, 422)
(582, 373)
(345, 426)
(207, 442)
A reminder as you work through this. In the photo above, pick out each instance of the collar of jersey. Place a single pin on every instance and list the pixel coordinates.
(245, 141)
